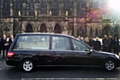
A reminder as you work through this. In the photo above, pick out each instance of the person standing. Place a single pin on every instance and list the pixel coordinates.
(7, 45)
(97, 44)
(87, 41)
(11, 38)
(91, 42)
(111, 43)
(105, 42)
(116, 46)
(82, 39)
(3, 40)
(79, 38)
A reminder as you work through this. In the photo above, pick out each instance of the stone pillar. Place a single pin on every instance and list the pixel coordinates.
(61, 9)
(11, 19)
(11, 10)
(23, 26)
(48, 9)
(35, 27)
(11, 25)
(75, 18)
(61, 5)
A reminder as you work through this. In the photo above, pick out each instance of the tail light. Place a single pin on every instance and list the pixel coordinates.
(10, 54)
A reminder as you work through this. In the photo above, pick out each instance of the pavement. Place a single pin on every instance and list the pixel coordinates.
(2, 62)
(57, 73)
(1, 55)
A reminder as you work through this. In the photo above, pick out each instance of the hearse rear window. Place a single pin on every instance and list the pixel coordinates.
(32, 42)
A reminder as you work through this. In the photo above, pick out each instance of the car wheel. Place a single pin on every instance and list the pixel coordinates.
(27, 65)
(109, 65)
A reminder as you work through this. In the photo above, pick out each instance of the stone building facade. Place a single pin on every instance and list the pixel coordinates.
(72, 17)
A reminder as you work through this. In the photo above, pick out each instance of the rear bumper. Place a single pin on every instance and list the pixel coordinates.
(12, 62)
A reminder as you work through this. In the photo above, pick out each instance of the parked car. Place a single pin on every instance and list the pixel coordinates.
(44, 49)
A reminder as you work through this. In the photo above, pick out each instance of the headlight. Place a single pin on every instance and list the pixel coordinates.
(117, 56)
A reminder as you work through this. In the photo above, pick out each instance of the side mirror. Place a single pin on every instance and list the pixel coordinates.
(87, 50)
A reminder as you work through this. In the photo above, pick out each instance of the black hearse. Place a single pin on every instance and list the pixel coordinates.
(44, 49)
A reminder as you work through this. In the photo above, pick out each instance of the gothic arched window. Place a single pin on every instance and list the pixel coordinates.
(57, 29)
(91, 31)
(29, 28)
(80, 9)
(17, 6)
(68, 6)
(5, 8)
(43, 28)
(55, 8)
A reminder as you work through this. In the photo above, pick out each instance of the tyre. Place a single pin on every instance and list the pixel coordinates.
(109, 65)
(27, 65)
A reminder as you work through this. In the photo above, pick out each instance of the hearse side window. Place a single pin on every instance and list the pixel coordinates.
(32, 42)
(60, 43)
(79, 46)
